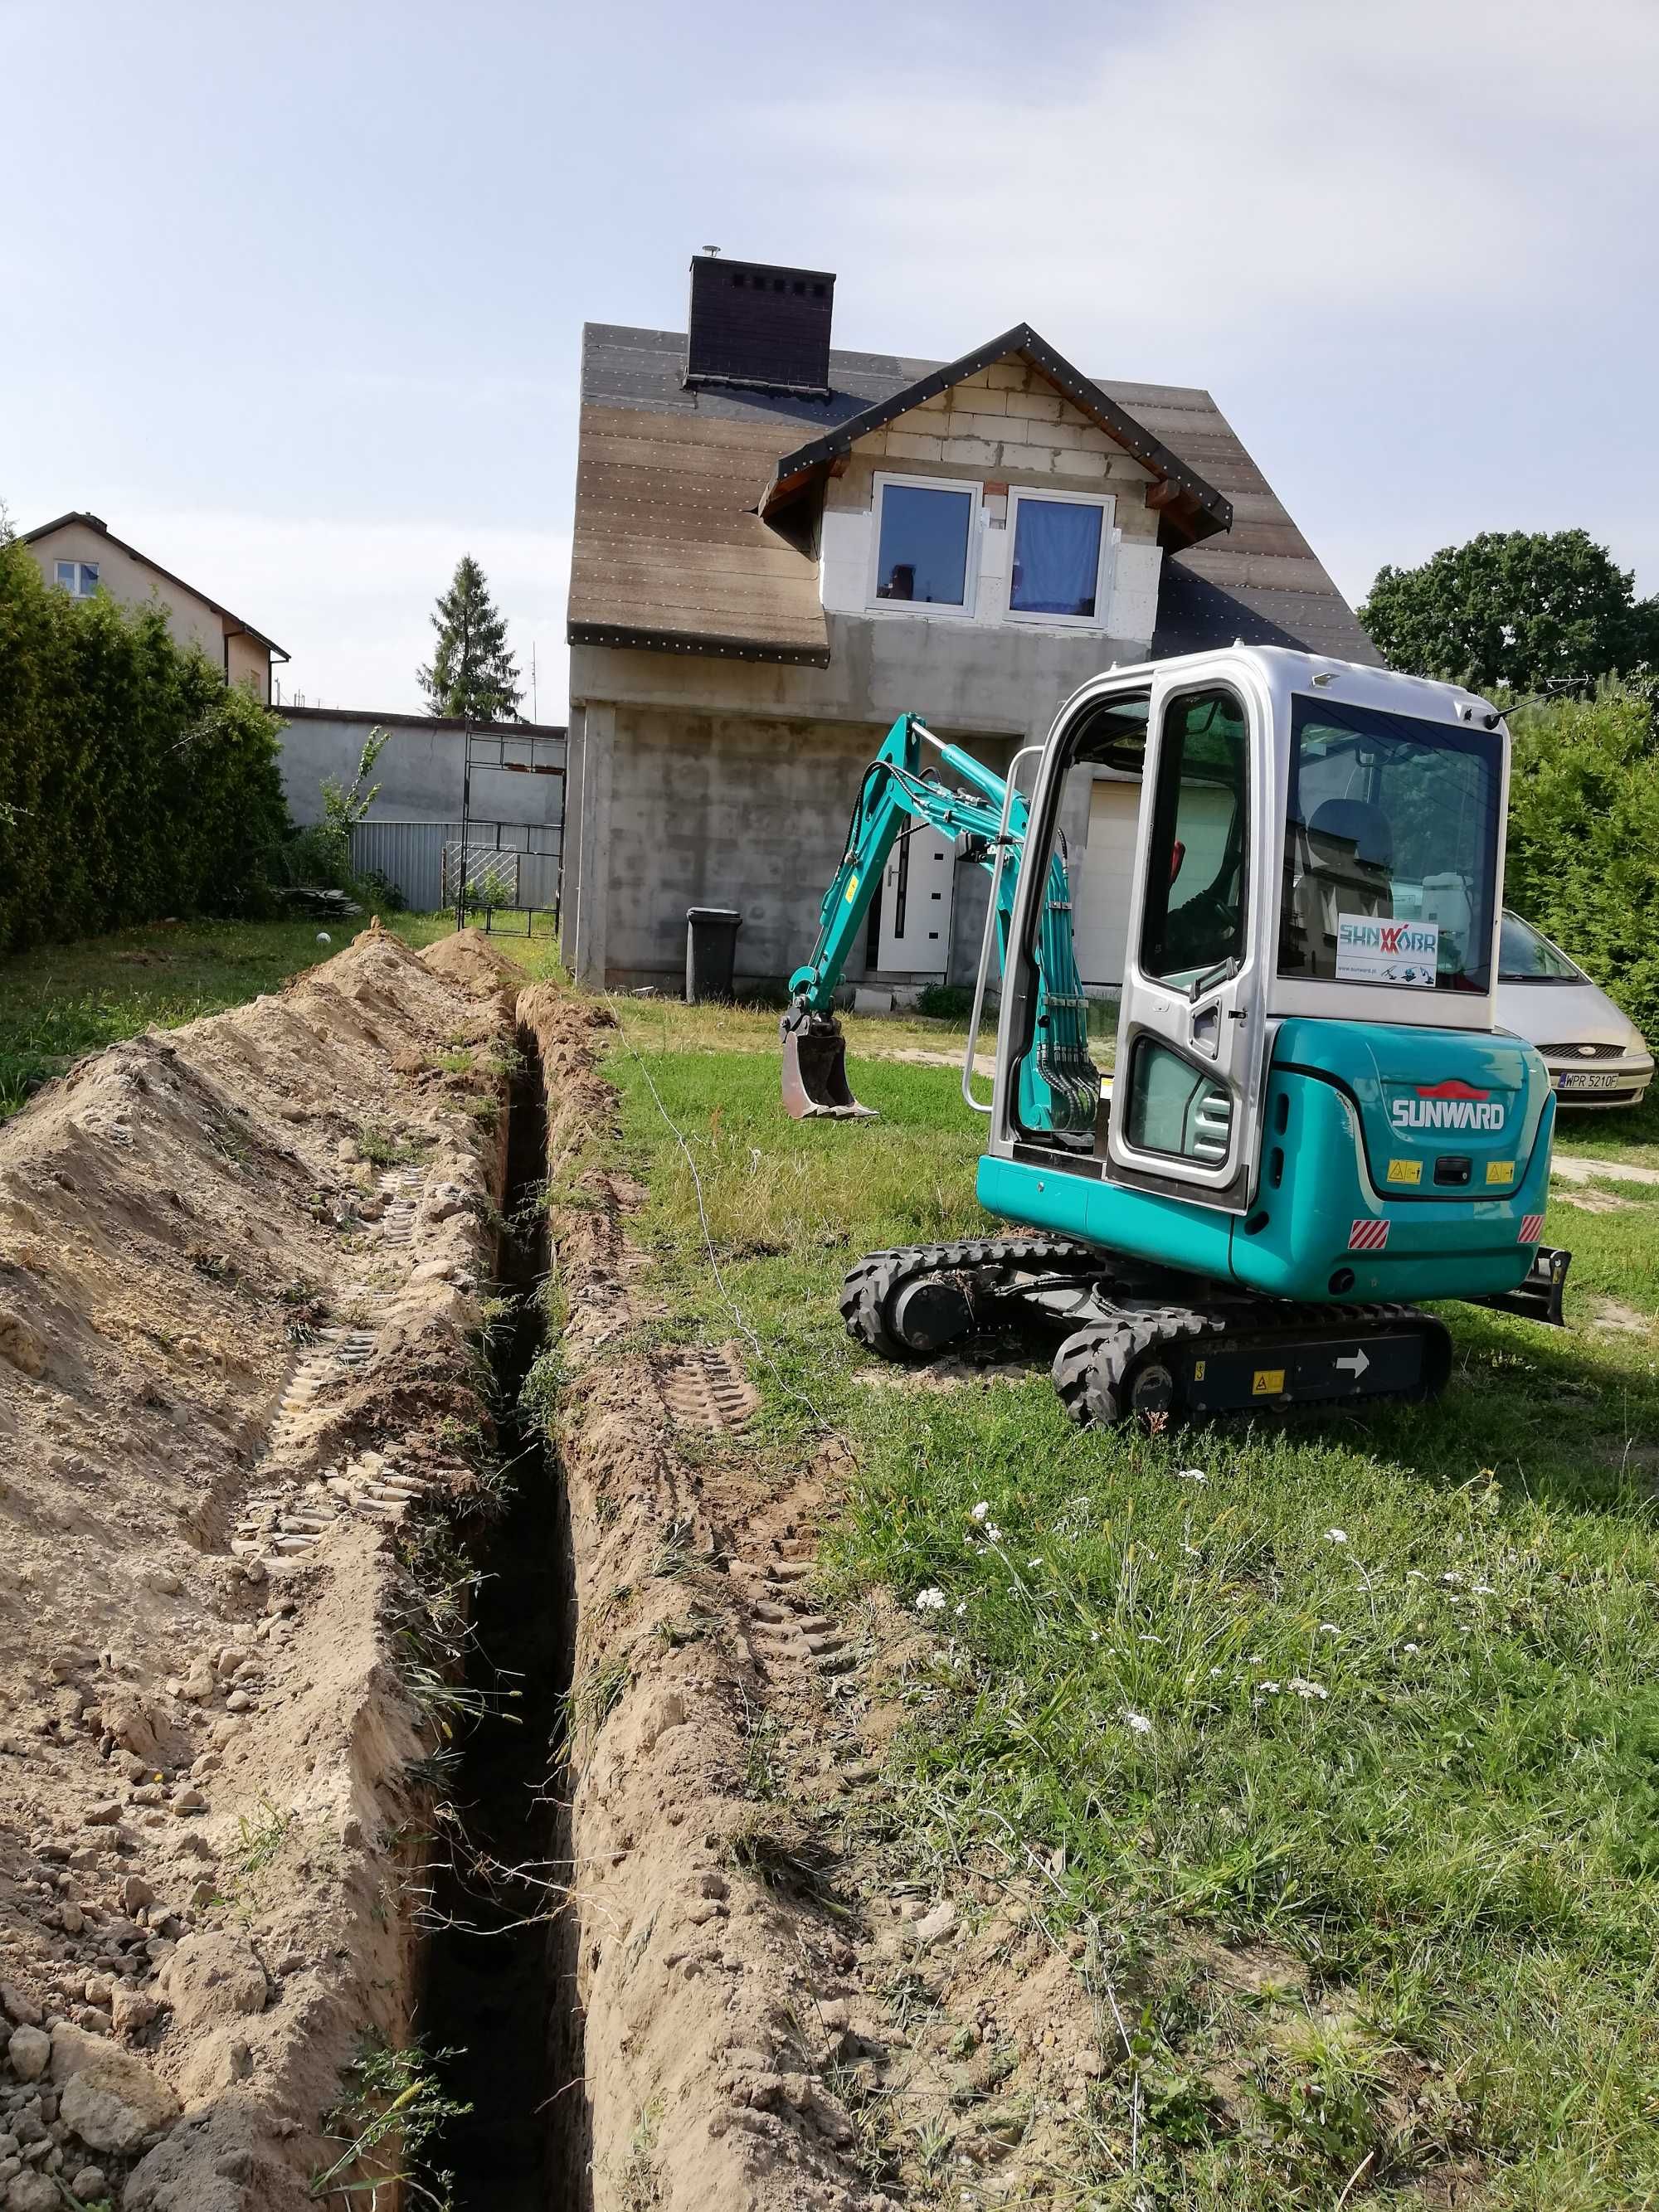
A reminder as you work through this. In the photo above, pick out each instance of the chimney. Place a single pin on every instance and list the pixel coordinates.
(758, 327)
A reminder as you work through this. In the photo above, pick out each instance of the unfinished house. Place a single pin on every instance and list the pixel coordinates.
(780, 547)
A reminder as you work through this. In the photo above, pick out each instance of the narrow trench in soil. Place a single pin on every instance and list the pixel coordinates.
(500, 1978)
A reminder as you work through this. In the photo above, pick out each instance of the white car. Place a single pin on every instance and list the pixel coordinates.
(1595, 1054)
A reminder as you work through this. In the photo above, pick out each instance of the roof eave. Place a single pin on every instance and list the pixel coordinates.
(619, 637)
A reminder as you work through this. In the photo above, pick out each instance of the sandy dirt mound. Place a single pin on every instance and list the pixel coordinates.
(780, 2010)
(469, 958)
(237, 1266)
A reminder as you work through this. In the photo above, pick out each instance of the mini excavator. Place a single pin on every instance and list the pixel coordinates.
(1314, 1122)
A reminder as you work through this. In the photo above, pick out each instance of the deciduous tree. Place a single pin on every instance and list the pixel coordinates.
(1528, 611)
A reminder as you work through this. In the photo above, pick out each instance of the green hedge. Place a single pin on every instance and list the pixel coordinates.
(133, 782)
(1584, 851)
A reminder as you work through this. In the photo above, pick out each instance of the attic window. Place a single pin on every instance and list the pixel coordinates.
(925, 544)
(78, 578)
(1062, 542)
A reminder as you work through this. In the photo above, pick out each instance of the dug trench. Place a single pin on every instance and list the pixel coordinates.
(294, 1514)
(500, 1972)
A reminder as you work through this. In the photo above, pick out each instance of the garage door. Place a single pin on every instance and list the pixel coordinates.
(1101, 896)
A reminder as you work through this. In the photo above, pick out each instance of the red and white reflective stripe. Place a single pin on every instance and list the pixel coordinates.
(1532, 1228)
(1368, 1236)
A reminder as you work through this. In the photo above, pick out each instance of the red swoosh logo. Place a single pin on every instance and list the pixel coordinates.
(1451, 1088)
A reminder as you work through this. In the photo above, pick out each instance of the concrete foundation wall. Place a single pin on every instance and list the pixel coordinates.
(722, 809)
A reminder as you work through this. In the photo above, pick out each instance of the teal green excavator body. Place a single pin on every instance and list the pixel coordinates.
(1312, 1105)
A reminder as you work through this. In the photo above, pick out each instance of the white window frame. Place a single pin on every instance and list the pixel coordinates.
(1107, 505)
(927, 609)
(75, 582)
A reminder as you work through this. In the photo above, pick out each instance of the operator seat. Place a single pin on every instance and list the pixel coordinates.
(1346, 857)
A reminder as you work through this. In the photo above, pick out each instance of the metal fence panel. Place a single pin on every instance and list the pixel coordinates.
(408, 853)
(420, 857)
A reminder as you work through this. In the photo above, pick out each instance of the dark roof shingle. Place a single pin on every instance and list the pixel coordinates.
(669, 551)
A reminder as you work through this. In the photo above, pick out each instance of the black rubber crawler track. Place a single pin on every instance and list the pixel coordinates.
(866, 1298)
(1094, 1369)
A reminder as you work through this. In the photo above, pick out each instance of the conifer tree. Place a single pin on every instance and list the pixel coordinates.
(472, 675)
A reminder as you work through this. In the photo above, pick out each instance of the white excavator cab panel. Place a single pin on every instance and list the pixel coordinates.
(1314, 838)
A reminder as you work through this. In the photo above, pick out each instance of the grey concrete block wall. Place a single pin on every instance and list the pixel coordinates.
(419, 772)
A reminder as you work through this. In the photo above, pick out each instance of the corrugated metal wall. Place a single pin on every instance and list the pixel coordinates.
(411, 855)
(408, 853)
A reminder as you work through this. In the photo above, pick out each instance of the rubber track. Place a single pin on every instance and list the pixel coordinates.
(1092, 1369)
(870, 1288)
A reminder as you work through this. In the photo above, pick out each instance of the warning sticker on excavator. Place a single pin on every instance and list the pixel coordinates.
(852, 891)
(1198, 1370)
(1267, 1382)
(1405, 1170)
(1500, 1170)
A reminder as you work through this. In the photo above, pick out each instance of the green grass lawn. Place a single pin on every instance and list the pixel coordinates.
(1372, 1701)
(66, 1000)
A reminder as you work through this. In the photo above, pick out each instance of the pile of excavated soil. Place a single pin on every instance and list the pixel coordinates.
(238, 1378)
(782, 2010)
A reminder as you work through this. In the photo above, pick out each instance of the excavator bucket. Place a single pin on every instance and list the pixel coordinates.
(815, 1071)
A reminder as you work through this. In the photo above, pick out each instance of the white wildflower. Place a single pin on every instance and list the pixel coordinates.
(1329, 1628)
(961, 1607)
(1094, 1636)
(1191, 1474)
(1136, 1721)
(930, 1600)
(1485, 1589)
(1304, 1688)
(1413, 1648)
(992, 1536)
(982, 1510)
(1336, 1535)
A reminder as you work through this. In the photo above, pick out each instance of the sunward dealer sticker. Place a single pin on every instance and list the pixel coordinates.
(1371, 950)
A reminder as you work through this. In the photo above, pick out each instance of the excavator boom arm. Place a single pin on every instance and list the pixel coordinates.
(1059, 1085)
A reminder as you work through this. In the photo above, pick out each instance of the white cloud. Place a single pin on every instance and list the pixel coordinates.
(1228, 168)
(350, 600)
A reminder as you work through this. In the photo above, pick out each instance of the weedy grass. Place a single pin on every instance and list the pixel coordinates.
(1374, 1694)
(61, 1001)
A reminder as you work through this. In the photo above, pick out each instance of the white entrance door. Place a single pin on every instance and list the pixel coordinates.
(915, 905)
(1101, 893)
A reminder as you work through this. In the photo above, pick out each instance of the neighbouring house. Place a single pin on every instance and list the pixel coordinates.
(779, 547)
(82, 555)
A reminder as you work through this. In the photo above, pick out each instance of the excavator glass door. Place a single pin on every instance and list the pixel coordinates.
(1188, 1071)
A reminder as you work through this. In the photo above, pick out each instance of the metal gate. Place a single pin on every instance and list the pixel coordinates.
(507, 873)
(511, 876)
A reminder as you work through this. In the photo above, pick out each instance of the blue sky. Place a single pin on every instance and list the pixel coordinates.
(292, 296)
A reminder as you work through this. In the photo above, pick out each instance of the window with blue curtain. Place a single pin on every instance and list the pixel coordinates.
(1057, 557)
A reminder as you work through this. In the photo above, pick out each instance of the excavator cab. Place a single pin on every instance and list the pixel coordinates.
(1313, 1121)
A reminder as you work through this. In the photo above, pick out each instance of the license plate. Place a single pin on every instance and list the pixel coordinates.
(1576, 1079)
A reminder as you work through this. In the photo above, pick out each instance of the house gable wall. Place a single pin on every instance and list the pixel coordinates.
(132, 582)
(1005, 424)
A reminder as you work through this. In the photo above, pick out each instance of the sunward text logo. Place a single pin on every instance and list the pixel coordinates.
(1447, 1105)
(1398, 940)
